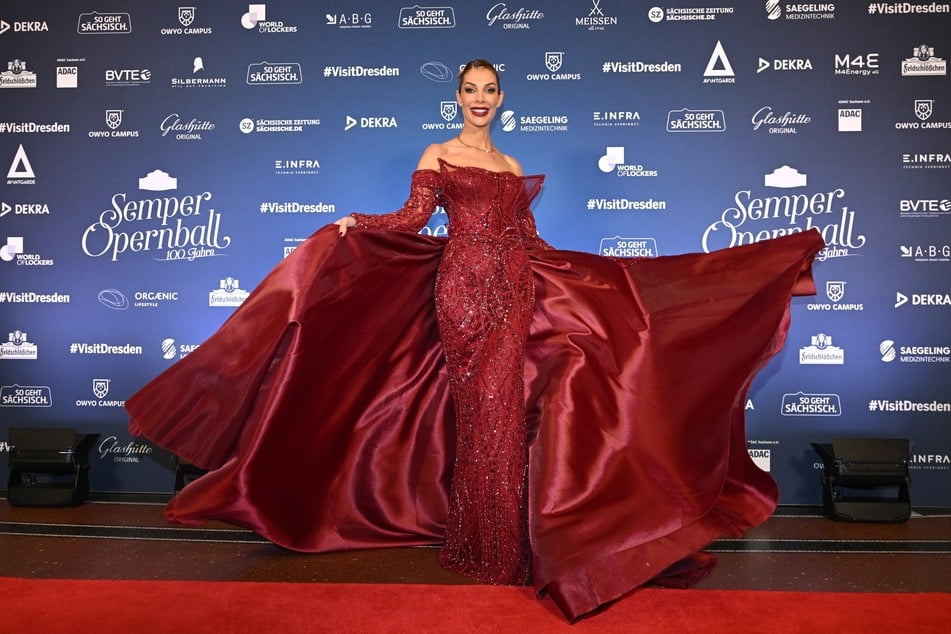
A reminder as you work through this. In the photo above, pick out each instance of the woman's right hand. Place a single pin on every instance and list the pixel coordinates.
(345, 223)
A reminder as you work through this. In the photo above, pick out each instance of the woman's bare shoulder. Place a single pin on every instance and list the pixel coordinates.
(431, 155)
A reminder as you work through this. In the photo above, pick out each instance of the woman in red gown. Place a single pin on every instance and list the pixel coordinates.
(546, 415)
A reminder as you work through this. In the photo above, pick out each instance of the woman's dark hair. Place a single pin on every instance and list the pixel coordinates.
(479, 63)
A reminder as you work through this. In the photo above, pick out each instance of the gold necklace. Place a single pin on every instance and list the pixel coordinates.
(488, 151)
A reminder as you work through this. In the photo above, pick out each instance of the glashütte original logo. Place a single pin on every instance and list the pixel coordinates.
(521, 18)
(171, 228)
(787, 123)
(190, 130)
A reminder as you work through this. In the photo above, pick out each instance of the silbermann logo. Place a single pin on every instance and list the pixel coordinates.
(417, 17)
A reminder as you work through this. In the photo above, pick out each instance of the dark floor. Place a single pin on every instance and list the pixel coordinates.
(796, 549)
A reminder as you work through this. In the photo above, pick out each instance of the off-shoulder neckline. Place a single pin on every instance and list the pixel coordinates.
(481, 169)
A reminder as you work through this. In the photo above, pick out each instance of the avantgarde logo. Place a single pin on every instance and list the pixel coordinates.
(169, 227)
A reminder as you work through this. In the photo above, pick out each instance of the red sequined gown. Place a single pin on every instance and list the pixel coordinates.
(531, 410)
(484, 304)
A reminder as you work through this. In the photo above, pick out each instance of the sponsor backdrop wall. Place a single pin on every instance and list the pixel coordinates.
(158, 159)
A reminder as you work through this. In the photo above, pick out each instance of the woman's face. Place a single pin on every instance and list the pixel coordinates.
(479, 96)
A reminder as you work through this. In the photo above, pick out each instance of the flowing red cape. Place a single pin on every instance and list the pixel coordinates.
(322, 409)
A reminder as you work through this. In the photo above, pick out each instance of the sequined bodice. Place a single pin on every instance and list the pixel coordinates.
(484, 203)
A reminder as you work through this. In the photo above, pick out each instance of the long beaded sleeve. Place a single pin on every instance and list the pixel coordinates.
(415, 212)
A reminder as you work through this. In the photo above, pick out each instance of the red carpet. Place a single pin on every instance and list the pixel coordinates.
(49, 606)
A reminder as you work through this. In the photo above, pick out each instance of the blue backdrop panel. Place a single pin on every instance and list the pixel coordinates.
(160, 158)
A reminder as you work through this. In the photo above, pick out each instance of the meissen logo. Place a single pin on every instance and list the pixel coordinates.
(96, 23)
(596, 20)
(267, 73)
(417, 17)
